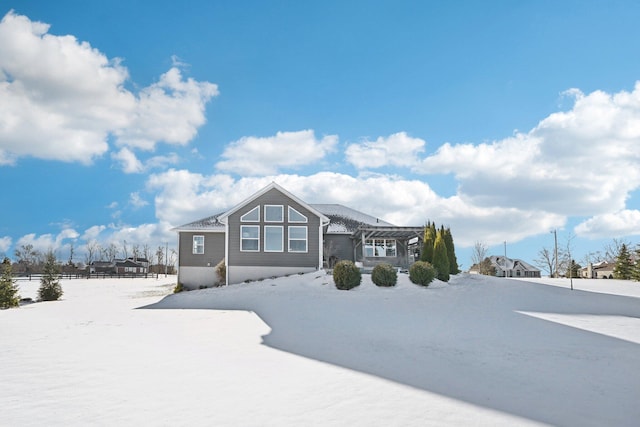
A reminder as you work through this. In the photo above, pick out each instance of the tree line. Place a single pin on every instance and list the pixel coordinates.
(32, 261)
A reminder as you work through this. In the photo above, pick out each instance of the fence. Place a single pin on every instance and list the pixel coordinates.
(85, 275)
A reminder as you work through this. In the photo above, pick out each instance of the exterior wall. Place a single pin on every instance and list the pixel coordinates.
(195, 277)
(268, 261)
(341, 246)
(213, 249)
(196, 270)
(244, 273)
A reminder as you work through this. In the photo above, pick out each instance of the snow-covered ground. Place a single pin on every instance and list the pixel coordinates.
(296, 351)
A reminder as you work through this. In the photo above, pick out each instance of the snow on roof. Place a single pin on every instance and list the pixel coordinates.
(342, 220)
(346, 220)
(210, 223)
(505, 263)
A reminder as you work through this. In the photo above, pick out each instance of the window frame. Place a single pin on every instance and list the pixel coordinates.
(242, 238)
(243, 216)
(281, 228)
(305, 240)
(371, 245)
(195, 247)
(289, 210)
(266, 211)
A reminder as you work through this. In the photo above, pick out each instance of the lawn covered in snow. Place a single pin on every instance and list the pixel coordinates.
(296, 351)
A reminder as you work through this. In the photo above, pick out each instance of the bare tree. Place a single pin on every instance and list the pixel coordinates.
(125, 250)
(171, 259)
(93, 249)
(160, 256)
(612, 249)
(111, 252)
(27, 256)
(546, 260)
(479, 253)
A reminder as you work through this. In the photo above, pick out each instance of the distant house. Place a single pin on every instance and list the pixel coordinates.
(274, 233)
(105, 267)
(508, 267)
(600, 270)
(127, 266)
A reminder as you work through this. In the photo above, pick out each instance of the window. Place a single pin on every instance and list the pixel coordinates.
(295, 216)
(273, 238)
(273, 213)
(252, 216)
(380, 248)
(249, 238)
(297, 239)
(198, 245)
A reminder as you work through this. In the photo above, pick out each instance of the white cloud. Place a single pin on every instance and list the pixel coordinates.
(46, 242)
(128, 161)
(617, 224)
(183, 197)
(256, 156)
(5, 244)
(580, 162)
(397, 149)
(136, 201)
(60, 99)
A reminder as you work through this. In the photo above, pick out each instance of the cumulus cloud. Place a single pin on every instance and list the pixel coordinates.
(46, 242)
(61, 99)
(136, 201)
(580, 162)
(398, 149)
(5, 244)
(183, 197)
(256, 156)
(616, 224)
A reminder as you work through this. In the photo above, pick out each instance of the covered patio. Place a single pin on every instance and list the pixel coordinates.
(397, 246)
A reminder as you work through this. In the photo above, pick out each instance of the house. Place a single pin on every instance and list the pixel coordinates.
(274, 233)
(128, 266)
(508, 267)
(600, 270)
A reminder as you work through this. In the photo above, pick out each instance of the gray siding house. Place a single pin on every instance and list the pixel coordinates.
(274, 233)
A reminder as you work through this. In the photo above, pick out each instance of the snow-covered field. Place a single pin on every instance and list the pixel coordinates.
(296, 351)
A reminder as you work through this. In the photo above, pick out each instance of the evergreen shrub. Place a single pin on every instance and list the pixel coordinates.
(8, 290)
(422, 273)
(346, 275)
(384, 274)
(50, 289)
(179, 288)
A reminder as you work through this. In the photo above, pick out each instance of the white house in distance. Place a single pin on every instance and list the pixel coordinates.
(274, 233)
(508, 267)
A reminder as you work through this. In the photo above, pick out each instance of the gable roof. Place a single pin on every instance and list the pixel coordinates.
(222, 218)
(504, 263)
(346, 220)
(210, 223)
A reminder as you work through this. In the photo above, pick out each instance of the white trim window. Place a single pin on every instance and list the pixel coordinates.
(198, 245)
(298, 238)
(249, 238)
(252, 216)
(295, 216)
(374, 248)
(273, 213)
(273, 238)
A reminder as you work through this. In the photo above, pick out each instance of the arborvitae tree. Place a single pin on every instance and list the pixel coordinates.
(427, 245)
(624, 264)
(8, 290)
(451, 252)
(50, 289)
(635, 273)
(440, 258)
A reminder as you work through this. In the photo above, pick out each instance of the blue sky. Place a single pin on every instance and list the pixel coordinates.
(501, 119)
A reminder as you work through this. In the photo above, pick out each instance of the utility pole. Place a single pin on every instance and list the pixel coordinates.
(555, 253)
(166, 258)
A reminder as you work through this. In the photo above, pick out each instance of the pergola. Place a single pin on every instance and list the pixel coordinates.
(402, 235)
